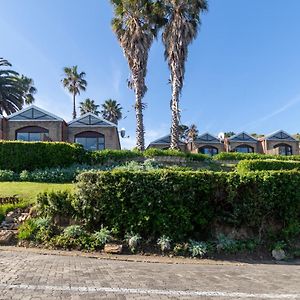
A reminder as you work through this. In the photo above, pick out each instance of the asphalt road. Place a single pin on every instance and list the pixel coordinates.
(28, 275)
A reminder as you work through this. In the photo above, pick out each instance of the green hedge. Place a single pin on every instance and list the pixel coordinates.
(18, 156)
(189, 204)
(248, 156)
(261, 165)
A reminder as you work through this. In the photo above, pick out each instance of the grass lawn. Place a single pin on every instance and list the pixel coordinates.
(27, 192)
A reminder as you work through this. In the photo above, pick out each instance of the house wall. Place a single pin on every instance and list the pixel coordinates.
(230, 146)
(110, 133)
(195, 147)
(55, 128)
(269, 146)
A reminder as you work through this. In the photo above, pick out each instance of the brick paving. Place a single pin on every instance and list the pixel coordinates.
(27, 275)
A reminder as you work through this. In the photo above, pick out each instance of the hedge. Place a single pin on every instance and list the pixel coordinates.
(248, 156)
(190, 204)
(260, 165)
(18, 156)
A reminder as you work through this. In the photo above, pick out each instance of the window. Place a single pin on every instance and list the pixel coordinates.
(284, 149)
(209, 150)
(32, 134)
(91, 140)
(244, 149)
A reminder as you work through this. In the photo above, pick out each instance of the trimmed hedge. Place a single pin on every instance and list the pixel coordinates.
(248, 156)
(261, 165)
(189, 204)
(18, 156)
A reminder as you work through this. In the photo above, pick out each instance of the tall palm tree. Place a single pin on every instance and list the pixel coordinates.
(183, 21)
(87, 106)
(15, 89)
(111, 111)
(136, 23)
(74, 82)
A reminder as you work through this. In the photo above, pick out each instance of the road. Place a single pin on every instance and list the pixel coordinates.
(29, 275)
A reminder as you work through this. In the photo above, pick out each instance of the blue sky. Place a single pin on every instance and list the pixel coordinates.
(243, 71)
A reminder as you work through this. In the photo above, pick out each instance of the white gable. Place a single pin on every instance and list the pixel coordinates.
(33, 113)
(90, 120)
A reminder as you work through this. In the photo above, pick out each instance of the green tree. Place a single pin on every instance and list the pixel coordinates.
(135, 24)
(74, 82)
(111, 111)
(15, 90)
(181, 28)
(87, 106)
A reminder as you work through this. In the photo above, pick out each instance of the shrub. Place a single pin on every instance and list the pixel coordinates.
(197, 249)
(186, 204)
(18, 156)
(27, 230)
(101, 237)
(164, 243)
(226, 244)
(247, 156)
(52, 204)
(6, 175)
(133, 241)
(73, 231)
(260, 165)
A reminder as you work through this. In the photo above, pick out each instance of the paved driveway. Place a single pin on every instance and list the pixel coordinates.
(27, 275)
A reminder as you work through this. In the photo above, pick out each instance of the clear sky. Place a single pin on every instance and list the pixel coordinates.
(243, 71)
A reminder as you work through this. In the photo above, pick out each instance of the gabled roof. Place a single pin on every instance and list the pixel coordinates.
(207, 138)
(90, 120)
(280, 135)
(33, 113)
(243, 137)
(165, 140)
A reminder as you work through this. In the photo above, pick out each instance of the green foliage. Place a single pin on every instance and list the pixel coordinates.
(164, 243)
(154, 203)
(133, 240)
(52, 204)
(260, 165)
(101, 237)
(18, 156)
(6, 175)
(198, 249)
(247, 156)
(226, 244)
(73, 231)
(27, 230)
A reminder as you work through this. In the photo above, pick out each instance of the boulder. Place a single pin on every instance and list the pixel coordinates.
(279, 254)
(6, 237)
(113, 248)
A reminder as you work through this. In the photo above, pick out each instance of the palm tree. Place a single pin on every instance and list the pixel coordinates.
(135, 24)
(15, 89)
(111, 111)
(87, 106)
(192, 133)
(183, 21)
(74, 82)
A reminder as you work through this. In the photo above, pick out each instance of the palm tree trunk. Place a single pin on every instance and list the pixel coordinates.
(74, 106)
(140, 132)
(175, 114)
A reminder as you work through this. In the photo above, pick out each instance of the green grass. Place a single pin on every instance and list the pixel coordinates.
(26, 192)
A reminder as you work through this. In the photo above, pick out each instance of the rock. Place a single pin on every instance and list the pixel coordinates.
(278, 254)
(23, 217)
(113, 248)
(6, 237)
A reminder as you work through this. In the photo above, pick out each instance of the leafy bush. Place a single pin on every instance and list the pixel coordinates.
(18, 156)
(133, 241)
(164, 243)
(6, 175)
(197, 249)
(155, 203)
(247, 156)
(73, 231)
(226, 244)
(148, 165)
(52, 204)
(260, 165)
(27, 230)
(101, 237)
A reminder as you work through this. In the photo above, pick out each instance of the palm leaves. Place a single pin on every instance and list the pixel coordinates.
(183, 20)
(15, 90)
(135, 25)
(74, 82)
(111, 111)
(87, 106)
